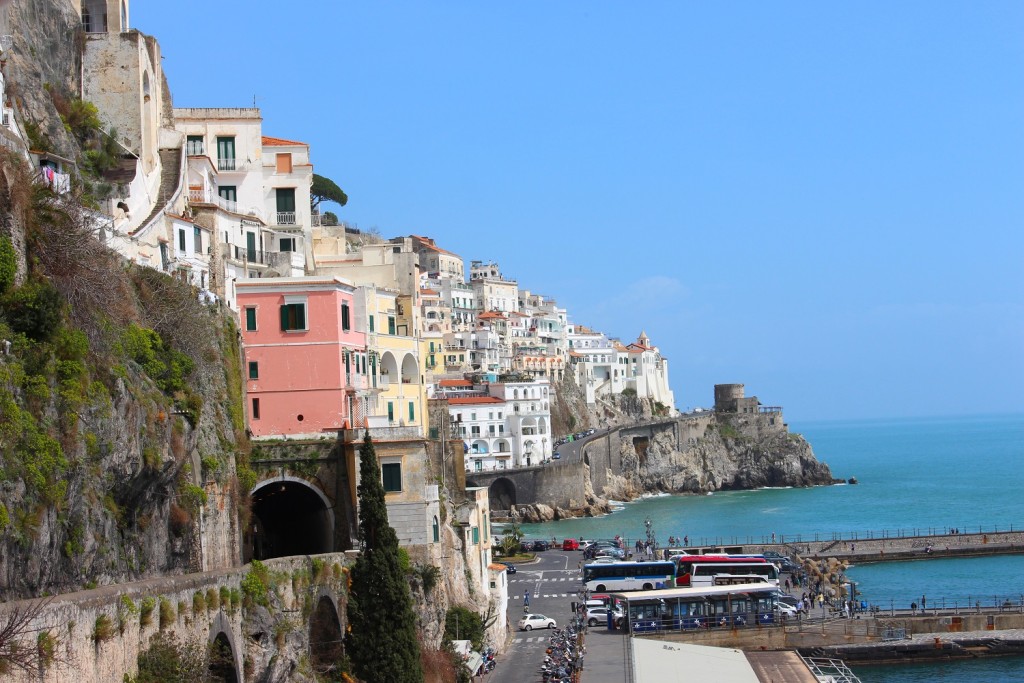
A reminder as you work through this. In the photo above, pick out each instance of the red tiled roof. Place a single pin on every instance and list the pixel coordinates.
(491, 314)
(280, 142)
(433, 292)
(455, 383)
(473, 400)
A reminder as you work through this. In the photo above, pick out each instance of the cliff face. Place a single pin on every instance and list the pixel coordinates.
(735, 452)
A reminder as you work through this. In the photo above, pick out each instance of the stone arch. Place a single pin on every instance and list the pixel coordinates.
(388, 365)
(502, 493)
(225, 659)
(291, 516)
(325, 636)
(410, 369)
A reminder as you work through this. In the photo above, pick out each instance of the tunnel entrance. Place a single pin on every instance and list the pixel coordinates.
(325, 639)
(502, 493)
(290, 517)
(222, 661)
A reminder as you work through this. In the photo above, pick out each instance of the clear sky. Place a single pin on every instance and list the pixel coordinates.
(823, 201)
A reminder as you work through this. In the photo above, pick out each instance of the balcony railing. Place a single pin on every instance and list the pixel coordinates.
(285, 218)
(207, 197)
(228, 165)
(237, 253)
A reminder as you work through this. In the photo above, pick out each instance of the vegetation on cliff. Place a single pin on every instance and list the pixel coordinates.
(113, 390)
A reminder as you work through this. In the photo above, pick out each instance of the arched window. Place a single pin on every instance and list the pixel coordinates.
(437, 530)
(86, 20)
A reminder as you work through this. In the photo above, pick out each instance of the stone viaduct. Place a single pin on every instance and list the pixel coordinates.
(562, 483)
(98, 634)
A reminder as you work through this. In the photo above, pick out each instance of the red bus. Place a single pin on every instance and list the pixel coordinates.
(684, 564)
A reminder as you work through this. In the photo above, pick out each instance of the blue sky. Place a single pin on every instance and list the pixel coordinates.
(823, 201)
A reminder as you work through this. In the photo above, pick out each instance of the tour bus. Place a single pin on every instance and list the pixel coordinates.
(729, 606)
(705, 573)
(685, 564)
(628, 576)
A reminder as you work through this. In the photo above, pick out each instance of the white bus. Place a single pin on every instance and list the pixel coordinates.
(704, 574)
(628, 576)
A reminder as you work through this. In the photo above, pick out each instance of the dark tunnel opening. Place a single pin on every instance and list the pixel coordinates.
(289, 518)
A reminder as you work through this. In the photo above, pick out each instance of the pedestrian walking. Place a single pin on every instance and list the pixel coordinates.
(924, 603)
(526, 598)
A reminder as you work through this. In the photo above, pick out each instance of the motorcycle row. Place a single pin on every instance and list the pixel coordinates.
(564, 654)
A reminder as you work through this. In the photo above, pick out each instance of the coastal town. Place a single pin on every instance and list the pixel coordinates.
(244, 439)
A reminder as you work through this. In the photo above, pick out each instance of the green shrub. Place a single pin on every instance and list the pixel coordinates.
(103, 629)
(35, 310)
(256, 582)
(8, 264)
(212, 598)
(5, 518)
(46, 647)
(464, 624)
(146, 610)
(429, 574)
(236, 598)
(192, 498)
(166, 613)
(167, 660)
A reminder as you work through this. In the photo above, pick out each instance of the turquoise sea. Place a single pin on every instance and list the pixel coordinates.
(915, 476)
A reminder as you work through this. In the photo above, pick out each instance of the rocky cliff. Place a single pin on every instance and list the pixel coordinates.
(696, 454)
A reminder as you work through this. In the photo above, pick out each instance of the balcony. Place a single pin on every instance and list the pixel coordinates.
(229, 165)
(284, 218)
(199, 196)
(236, 253)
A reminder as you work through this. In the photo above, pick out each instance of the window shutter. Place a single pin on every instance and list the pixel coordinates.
(300, 317)
(284, 317)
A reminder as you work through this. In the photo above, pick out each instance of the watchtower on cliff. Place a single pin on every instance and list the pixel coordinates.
(103, 16)
(729, 399)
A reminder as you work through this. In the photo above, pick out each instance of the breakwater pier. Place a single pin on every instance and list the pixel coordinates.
(880, 546)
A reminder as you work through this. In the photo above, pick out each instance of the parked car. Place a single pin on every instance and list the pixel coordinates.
(556, 456)
(617, 553)
(526, 546)
(604, 559)
(541, 545)
(532, 621)
(509, 568)
(570, 544)
(786, 610)
(599, 615)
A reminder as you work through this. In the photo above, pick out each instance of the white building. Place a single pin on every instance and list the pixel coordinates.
(493, 292)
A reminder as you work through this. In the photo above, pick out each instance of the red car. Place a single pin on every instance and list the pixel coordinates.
(570, 544)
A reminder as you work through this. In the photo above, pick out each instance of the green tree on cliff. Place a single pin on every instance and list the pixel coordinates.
(382, 642)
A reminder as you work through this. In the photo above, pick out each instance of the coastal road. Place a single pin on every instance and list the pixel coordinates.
(553, 582)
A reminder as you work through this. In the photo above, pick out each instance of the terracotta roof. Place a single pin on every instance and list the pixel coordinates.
(455, 383)
(430, 291)
(473, 400)
(497, 567)
(491, 314)
(280, 142)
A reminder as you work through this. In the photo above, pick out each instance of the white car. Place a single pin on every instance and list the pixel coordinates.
(786, 610)
(599, 615)
(532, 621)
(603, 559)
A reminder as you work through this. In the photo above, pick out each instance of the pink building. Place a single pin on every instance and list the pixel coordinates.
(304, 359)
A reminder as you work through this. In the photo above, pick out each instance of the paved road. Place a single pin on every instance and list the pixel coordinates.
(553, 583)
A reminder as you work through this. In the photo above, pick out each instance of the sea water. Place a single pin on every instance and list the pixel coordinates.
(915, 476)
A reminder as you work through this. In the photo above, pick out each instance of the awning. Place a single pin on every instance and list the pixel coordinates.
(474, 662)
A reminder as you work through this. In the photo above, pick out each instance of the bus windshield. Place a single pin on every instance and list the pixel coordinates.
(628, 576)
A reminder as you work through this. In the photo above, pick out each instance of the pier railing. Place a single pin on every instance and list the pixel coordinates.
(854, 536)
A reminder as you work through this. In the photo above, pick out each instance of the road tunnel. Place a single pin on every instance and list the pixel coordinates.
(290, 518)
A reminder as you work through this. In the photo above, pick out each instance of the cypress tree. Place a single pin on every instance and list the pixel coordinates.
(382, 643)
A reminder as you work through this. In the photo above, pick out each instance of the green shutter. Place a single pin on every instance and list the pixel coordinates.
(300, 316)
(371, 323)
(344, 317)
(412, 411)
(250, 319)
(476, 535)
(284, 317)
(254, 370)
(391, 411)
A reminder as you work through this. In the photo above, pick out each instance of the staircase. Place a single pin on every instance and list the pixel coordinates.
(170, 179)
